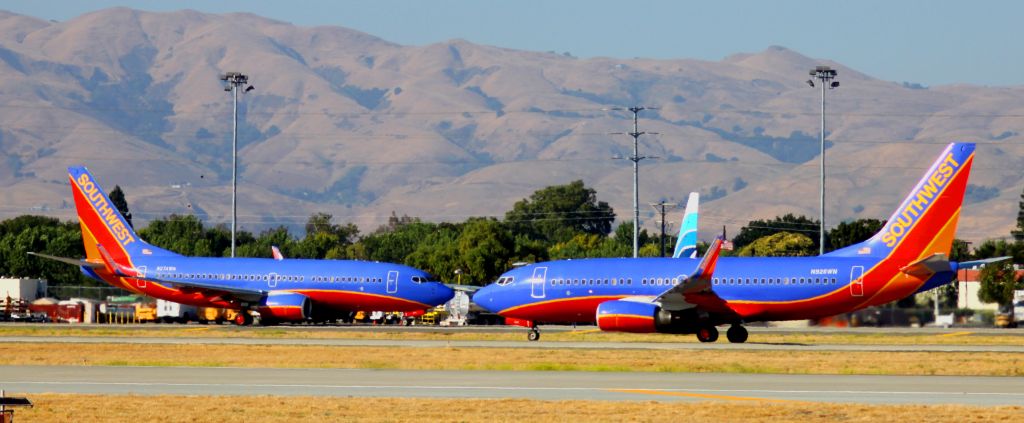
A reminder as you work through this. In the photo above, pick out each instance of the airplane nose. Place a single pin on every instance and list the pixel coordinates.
(442, 294)
(485, 298)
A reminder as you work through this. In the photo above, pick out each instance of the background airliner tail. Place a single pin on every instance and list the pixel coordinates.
(925, 222)
(686, 243)
(103, 225)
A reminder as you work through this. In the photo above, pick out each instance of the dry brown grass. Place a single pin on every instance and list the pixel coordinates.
(586, 335)
(133, 408)
(261, 356)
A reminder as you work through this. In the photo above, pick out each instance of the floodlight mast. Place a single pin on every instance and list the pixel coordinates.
(233, 82)
(826, 76)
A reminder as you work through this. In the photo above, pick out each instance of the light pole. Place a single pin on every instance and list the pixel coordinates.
(233, 81)
(636, 158)
(825, 75)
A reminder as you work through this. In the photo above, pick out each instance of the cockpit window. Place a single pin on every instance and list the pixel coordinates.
(505, 280)
(417, 279)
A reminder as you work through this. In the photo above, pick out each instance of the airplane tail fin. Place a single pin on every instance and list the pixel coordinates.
(686, 243)
(105, 232)
(925, 222)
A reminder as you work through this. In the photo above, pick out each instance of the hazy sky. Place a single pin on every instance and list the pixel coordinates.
(929, 42)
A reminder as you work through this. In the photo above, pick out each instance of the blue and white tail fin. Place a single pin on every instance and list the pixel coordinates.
(686, 242)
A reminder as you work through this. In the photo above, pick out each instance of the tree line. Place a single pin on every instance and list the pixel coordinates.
(556, 222)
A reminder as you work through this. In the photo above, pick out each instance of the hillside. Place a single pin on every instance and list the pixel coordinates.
(347, 123)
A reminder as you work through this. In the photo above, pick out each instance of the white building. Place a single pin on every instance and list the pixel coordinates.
(23, 288)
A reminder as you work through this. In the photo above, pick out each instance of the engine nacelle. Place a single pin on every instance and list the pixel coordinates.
(285, 306)
(627, 316)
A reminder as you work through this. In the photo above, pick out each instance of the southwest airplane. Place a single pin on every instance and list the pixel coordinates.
(279, 289)
(909, 254)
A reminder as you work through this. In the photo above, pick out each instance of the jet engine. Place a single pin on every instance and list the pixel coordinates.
(640, 317)
(287, 306)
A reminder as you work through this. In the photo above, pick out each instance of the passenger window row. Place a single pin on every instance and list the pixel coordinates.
(590, 282)
(280, 278)
(774, 281)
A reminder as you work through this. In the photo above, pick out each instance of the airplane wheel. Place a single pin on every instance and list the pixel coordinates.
(707, 334)
(243, 318)
(534, 334)
(737, 334)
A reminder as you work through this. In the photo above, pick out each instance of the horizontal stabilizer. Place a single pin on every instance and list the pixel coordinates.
(928, 266)
(71, 261)
(975, 263)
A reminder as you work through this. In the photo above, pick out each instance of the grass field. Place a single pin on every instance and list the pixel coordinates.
(810, 338)
(721, 361)
(125, 408)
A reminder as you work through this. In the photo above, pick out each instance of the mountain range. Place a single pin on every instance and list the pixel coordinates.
(346, 123)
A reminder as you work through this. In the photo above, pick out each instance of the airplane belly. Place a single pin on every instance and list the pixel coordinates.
(564, 310)
(361, 301)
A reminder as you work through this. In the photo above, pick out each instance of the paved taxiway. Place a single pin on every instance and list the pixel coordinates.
(418, 343)
(983, 391)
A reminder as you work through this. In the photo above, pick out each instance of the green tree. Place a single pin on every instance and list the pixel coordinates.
(624, 238)
(757, 229)
(557, 213)
(486, 247)
(117, 198)
(46, 235)
(849, 233)
(998, 281)
(999, 248)
(780, 244)
(321, 223)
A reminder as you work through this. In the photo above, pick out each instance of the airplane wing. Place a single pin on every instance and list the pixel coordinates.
(71, 261)
(699, 282)
(243, 294)
(464, 288)
(213, 289)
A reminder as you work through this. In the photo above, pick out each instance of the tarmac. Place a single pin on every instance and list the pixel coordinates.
(614, 386)
(607, 345)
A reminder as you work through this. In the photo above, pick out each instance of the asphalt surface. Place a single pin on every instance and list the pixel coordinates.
(981, 391)
(606, 345)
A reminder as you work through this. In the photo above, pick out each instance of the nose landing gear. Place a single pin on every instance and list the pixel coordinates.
(534, 334)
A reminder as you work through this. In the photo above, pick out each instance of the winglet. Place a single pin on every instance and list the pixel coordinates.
(707, 264)
(276, 253)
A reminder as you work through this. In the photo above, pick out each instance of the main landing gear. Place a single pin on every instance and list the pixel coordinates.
(243, 318)
(534, 334)
(707, 333)
(737, 334)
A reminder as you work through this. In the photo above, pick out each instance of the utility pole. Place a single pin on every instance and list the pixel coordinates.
(662, 208)
(825, 75)
(233, 82)
(636, 158)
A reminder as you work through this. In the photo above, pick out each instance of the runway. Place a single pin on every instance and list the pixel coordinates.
(614, 386)
(607, 345)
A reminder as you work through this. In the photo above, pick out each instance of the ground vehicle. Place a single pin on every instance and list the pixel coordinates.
(172, 312)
